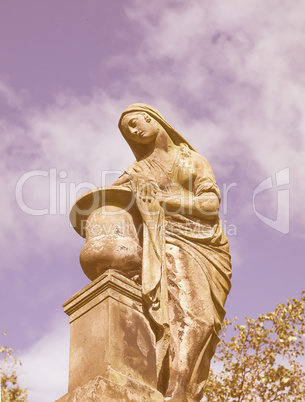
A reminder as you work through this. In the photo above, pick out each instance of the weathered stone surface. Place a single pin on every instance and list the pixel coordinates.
(112, 238)
(111, 342)
(103, 390)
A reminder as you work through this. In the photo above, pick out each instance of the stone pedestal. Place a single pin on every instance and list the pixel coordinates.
(112, 347)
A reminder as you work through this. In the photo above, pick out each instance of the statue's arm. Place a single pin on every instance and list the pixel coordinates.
(122, 180)
(203, 206)
(135, 178)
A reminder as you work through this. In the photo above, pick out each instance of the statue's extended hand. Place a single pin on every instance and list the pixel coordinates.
(146, 197)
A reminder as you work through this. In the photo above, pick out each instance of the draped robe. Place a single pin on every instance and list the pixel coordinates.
(186, 273)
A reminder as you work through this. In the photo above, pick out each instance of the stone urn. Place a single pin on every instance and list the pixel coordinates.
(108, 218)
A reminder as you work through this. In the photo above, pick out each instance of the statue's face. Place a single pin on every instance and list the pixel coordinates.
(139, 129)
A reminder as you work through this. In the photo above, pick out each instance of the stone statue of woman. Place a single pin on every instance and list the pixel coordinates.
(186, 265)
(182, 260)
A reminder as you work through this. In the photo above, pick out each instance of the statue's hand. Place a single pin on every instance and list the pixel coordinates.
(133, 180)
(147, 190)
(146, 197)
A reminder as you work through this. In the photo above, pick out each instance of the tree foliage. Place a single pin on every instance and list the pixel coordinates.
(262, 362)
(10, 390)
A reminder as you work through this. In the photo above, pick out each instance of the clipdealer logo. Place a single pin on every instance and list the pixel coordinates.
(62, 196)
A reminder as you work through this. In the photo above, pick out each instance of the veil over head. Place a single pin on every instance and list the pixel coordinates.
(140, 149)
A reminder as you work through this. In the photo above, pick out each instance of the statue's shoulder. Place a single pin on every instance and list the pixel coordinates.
(198, 160)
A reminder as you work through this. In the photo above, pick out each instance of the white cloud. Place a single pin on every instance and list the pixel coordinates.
(45, 366)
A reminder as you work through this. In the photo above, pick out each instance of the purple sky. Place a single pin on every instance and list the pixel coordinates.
(229, 76)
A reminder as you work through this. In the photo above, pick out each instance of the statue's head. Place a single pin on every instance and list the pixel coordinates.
(140, 128)
(140, 124)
